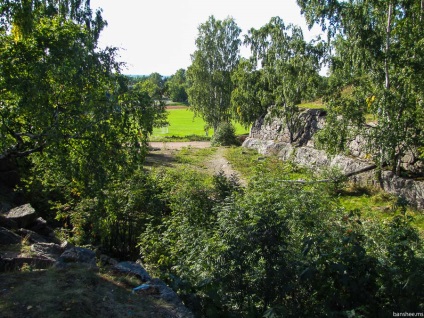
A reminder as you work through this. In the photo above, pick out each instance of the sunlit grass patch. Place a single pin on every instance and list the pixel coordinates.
(183, 123)
(194, 156)
(318, 104)
(250, 163)
(372, 202)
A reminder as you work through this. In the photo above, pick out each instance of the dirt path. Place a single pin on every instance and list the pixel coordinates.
(164, 151)
(179, 145)
(219, 163)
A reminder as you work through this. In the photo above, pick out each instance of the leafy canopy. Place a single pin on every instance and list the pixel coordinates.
(213, 62)
(378, 49)
(288, 74)
(67, 115)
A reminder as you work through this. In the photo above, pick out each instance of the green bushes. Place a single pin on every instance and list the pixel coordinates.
(224, 135)
(274, 249)
(279, 251)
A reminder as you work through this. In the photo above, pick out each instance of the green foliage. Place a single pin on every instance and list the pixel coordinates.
(70, 118)
(281, 250)
(289, 72)
(153, 85)
(249, 99)
(225, 135)
(225, 187)
(335, 180)
(176, 86)
(378, 49)
(209, 75)
(165, 240)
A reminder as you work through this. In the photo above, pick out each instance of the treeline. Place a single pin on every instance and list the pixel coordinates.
(160, 87)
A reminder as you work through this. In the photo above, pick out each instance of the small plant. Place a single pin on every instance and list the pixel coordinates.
(224, 135)
(26, 268)
(336, 180)
(224, 186)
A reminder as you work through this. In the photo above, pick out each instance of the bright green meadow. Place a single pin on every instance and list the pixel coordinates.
(183, 123)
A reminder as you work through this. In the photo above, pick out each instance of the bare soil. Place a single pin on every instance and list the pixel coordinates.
(162, 153)
(176, 107)
(179, 145)
(218, 163)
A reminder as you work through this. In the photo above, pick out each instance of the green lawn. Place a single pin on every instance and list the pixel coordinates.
(182, 123)
(312, 105)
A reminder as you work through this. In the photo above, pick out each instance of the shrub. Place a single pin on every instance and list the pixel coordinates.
(225, 135)
(282, 250)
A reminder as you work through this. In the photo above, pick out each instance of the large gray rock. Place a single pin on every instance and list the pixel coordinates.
(311, 157)
(49, 251)
(135, 269)
(411, 190)
(40, 226)
(16, 263)
(350, 165)
(24, 215)
(77, 256)
(170, 296)
(31, 236)
(8, 237)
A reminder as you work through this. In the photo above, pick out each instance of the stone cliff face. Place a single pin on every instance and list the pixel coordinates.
(269, 136)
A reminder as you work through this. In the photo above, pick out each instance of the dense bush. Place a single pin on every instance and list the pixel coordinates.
(281, 251)
(113, 218)
(224, 135)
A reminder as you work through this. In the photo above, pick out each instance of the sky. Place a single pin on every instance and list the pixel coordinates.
(159, 35)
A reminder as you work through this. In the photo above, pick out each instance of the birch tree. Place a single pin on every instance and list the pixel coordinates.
(209, 76)
(378, 49)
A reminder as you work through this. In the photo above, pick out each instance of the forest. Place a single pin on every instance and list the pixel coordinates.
(77, 130)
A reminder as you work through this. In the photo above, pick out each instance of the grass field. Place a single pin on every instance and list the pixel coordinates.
(183, 124)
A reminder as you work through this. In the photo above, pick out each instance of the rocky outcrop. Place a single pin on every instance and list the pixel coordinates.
(27, 242)
(273, 128)
(269, 136)
(8, 223)
(16, 263)
(39, 247)
(152, 287)
(78, 256)
(8, 237)
(50, 251)
(23, 215)
(134, 269)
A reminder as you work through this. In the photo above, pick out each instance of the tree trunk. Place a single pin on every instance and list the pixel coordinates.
(386, 69)
(422, 10)
(388, 31)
